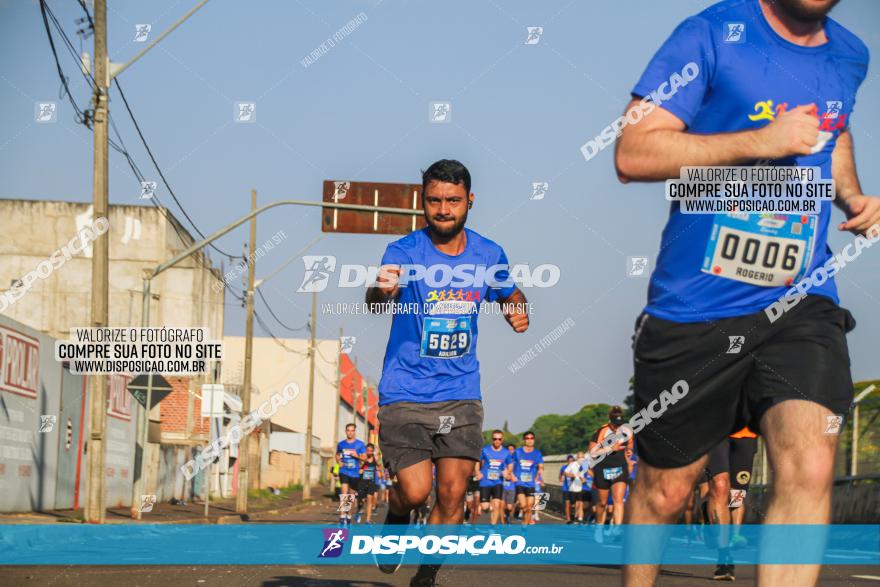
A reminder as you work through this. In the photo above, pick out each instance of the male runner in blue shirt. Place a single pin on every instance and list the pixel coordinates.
(429, 395)
(527, 465)
(349, 454)
(492, 469)
(775, 84)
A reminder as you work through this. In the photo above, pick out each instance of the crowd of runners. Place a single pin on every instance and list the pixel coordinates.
(507, 486)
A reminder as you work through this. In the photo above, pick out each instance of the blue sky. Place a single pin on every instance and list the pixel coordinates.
(360, 112)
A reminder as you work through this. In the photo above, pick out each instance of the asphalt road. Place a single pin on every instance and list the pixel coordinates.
(368, 576)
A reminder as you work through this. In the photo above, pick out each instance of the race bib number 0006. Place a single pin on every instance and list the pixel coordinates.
(764, 250)
(446, 338)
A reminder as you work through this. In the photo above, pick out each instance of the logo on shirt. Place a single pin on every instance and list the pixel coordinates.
(831, 120)
(334, 540)
(734, 32)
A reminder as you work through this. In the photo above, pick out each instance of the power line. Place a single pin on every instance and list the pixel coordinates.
(161, 174)
(143, 139)
(277, 319)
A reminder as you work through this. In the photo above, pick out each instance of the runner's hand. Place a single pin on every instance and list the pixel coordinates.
(478, 476)
(516, 316)
(794, 132)
(863, 212)
(388, 280)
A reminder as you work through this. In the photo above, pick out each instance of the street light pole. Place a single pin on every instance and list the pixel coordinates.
(94, 510)
(244, 444)
(307, 477)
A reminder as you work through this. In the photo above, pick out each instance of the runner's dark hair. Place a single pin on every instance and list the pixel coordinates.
(447, 171)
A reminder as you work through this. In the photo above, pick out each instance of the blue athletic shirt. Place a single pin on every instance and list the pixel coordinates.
(432, 355)
(493, 463)
(350, 465)
(525, 466)
(748, 74)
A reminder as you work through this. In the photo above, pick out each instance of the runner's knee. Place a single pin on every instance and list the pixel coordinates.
(412, 495)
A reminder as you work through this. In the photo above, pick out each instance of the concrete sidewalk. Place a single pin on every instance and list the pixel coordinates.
(219, 512)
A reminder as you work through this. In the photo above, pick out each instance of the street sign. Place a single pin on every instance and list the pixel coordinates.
(212, 400)
(160, 389)
(390, 195)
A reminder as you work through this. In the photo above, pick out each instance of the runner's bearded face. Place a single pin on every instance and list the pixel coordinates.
(496, 442)
(807, 11)
(446, 208)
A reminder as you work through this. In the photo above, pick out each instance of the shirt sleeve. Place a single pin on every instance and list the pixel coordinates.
(502, 276)
(690, 42)
(395, 255)
(540, 459)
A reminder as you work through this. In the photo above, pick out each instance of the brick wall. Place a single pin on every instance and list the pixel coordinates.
(174, 407)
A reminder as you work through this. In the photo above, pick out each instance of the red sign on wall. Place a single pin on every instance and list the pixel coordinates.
(19, 363)
(118, 398)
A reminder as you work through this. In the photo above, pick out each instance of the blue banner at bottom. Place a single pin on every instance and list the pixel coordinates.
(312, 544)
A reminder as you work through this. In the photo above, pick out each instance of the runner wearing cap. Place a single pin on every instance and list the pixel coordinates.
(611, 450)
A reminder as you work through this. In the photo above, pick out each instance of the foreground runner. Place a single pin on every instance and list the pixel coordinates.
(349, 454)
(493, 466)
(528, 463)
(612, 469)
(772, 75)
(729, 471)
(429, 394)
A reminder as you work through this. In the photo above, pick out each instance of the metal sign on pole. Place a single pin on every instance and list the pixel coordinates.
(395, 195)
(143, 387)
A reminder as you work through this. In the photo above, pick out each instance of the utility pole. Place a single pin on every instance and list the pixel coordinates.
(355, 391)
(94, 511)
(313, 323)
(241, 500)
(338, 388)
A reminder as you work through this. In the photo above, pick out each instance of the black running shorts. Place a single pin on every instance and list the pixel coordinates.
(735, 369)
(489, 493)
(352, 482)
(735, 457)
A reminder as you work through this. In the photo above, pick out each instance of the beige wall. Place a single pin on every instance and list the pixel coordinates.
(140, 238)
(274, 367)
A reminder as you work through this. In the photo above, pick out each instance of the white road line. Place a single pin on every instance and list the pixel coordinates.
(869, 577)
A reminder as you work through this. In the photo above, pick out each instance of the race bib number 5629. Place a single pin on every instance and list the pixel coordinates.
(446, 338)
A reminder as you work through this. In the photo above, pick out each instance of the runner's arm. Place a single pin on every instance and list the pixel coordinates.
(658, 146)
(862, 211)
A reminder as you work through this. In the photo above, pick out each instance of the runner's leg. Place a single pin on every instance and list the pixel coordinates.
(602, 507)
(411, 490)
(802, 460)
(657, 497)
(452, 479)
(617, 491)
